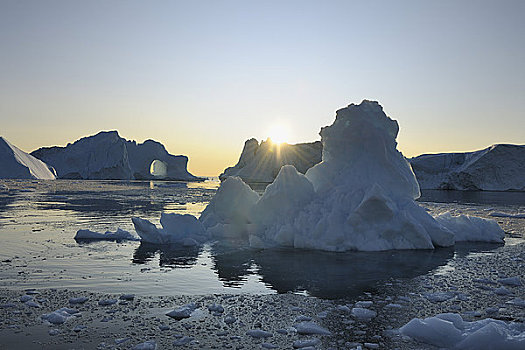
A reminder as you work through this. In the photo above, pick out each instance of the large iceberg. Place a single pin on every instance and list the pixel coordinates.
(360, 197)
(107, 156)
(17, 164)
(496, 168)
(261, 162)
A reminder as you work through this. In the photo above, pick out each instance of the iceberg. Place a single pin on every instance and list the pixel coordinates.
(361, 196)
(107, 156)
(499, 167)
(261, 162)
(17, 164)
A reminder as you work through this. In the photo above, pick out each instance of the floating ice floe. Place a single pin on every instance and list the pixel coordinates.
(184, 311)
(363, 314)
(450, 331)
(118, 235)
(147, 345)
(59, 316)
(79, 300)
(311, 328)
(176, 228)
(360, 197)
(259, 333)
(498, 214)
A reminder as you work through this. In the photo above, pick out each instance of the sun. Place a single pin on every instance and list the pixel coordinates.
(278, 133)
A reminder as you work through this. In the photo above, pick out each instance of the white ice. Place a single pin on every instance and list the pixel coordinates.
(451, 331)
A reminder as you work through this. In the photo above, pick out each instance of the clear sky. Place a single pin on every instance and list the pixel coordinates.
(203, 76)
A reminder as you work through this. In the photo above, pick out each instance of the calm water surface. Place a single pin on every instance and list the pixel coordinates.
(38, 220)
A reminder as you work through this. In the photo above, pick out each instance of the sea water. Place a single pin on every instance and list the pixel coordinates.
(38, 220)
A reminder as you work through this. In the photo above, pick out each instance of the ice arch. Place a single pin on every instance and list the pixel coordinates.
(158, 168)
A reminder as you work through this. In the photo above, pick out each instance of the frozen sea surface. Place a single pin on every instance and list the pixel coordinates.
(38, 220)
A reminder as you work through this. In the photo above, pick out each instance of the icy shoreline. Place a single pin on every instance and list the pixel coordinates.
(465, 286)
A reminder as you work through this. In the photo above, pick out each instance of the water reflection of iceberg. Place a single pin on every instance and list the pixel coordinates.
(325, 274)
(173, 256)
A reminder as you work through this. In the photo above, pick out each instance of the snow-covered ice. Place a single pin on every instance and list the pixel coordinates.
(17, 164)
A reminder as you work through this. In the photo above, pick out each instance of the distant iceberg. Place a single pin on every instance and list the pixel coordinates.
(360, 197)
(261, 162)
(496, 168)
(107, 156)
(17, 164)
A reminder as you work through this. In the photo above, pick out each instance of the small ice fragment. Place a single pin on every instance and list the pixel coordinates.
(217, 308)
(393, 306)
(364, 304)
(259, 333)
(121, 340)
(484, 281)
(511, 281)
(78, 328)
(282, 331)
(438, 297)
(229, 319)
(183, 341)
(164, 327)
(517, 301)
(269, 346)
(26, 298)
(182, 312)
(363, 314)
(303, 343)
(343, 308)
(371, 345)
(148, 345)
(311, 328)
(7, 305)
(502, 291)
(107, 302)
(32, 303)
(302, 318)
(53, 332)
(492, 310)
(322, 314)
(127, 297)
(79, 300)
(59, 316)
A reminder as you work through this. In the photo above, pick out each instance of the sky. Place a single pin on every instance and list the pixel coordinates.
(201, 77)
